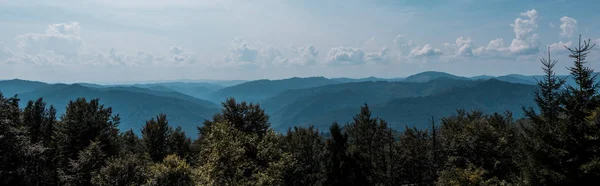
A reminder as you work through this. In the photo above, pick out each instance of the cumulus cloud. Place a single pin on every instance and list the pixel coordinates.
(345, 55)
(241, 52)
(526, 41)
(272, 55)
(5, 52)
(568, 26)
(306, 55)
(425, 51)
(379, 56)
(560, 46)
(494, 48)
(462, 47)
(176, 50)
(401, 41)
(62, 39)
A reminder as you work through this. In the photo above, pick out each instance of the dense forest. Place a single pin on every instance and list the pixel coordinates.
(556, 143)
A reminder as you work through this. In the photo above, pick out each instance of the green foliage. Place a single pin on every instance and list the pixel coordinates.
(82, 123)
(469, 176)
(224, 157)
(371, 142)
(179, 144)
(39, 121)
(412, 159)
(486, 141)
(155, 136)
(306, 146)
(81, 170)
(126, 170)
(340, 167)
(560, 144)
(171, 171)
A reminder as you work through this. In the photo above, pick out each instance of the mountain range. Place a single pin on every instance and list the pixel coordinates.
(402, 102)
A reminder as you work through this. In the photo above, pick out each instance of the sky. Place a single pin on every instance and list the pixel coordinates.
(108, 41)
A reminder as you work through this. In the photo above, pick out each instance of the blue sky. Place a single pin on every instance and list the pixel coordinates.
(108, 41)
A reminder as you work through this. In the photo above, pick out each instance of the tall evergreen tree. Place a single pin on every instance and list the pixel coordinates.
(82, 123)
(340, 167)
(179, 144)
(306, 147)
(561, 146)
(39, 121)
(155, 136)
(370, 141)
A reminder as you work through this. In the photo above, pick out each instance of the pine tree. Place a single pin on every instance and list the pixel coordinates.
(39, 121)
(369, 140)
(306, 147)
(155, 136)
(82, 123)
(340, 167)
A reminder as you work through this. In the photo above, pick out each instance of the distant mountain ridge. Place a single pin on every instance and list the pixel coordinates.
(409, 101)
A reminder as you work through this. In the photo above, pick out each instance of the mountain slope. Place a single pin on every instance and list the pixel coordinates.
(255, 91)
(489, 96)
(300, 106)
(17, 86)
(135, 106)
(431, 75)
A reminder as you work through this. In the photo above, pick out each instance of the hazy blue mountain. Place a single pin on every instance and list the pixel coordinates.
(17, 86)
(198, 90)
(92, 85)
(431, 75)
(489, 96)
(352, 80)
(482, 77)
(300, 106)
(258, 90)
(134, 105)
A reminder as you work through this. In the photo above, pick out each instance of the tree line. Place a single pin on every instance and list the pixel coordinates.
(557, 143)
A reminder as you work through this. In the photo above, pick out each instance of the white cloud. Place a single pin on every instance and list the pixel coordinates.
(345, 55)
(494, 48)
(176, 50)
(306, 55)
(5, 52)
(425, 51)
(62, 39)
(559, 47)
(568, 26)
(401, 41)
(380, 56)
(240, 52)
(526, 41)
(462, 47)
(272, 55)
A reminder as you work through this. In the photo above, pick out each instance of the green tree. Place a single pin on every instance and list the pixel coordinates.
(224, 159)
(306, 147)
(483, 141)
(88, 162)
(126, 170)
(39, 121)
(155, 136)
(171, 171)
(82, 123)
(130, 143)
(180, 144)
(561, 147)
(248, 118)
(340, 167)
(371, 142)
(13, 143)
(413, 164)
